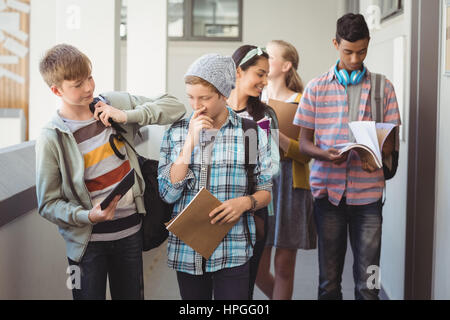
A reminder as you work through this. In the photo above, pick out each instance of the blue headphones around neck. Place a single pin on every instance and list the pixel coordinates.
(345, 79)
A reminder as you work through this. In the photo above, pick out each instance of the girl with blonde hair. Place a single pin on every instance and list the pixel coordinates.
(292, 226)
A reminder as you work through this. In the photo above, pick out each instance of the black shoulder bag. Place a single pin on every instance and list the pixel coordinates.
(377, 96)
(158, 212)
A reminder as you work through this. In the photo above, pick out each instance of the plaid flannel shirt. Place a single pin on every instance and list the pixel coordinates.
(228, 180)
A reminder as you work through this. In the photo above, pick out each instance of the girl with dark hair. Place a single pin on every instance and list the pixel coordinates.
(252, 68)
(292, 226)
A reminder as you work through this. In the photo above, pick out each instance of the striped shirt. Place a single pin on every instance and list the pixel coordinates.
(228, 180)
(103, 171)
(324, 109)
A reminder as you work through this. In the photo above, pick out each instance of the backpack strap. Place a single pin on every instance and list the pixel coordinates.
(250, 164)
(248, 124)
(298, 98)
(119, 136)
(378, 83)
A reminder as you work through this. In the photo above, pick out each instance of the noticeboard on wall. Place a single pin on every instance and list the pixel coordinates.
(14, 55)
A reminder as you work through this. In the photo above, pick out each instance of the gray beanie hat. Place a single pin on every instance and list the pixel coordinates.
(218, 70)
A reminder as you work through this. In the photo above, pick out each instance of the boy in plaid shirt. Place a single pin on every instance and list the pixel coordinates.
(207, 150)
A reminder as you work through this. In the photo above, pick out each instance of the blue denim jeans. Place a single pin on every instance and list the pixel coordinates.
(364, 227)
(120, 261)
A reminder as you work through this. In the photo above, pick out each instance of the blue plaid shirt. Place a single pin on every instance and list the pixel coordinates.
(228, 180)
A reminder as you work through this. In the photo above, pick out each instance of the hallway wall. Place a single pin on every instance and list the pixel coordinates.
(70, 21)
(309, 25)
(389, 53)
(441, 277)
(33, 263)
(137, 65)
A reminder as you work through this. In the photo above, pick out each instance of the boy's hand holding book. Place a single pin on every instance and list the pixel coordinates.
(230, 211)
(334, 155)
(193, 224)
(98, 215)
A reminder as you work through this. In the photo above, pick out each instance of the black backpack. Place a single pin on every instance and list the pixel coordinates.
(377, 96)
(158, 212)
(154, 231)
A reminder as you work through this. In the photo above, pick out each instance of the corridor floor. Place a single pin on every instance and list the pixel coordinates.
(160, 282)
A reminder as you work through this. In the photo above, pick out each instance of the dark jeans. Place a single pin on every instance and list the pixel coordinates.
(121, 261)
(364, 226)
(225, 284)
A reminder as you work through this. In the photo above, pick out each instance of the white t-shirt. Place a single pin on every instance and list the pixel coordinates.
(265, 98)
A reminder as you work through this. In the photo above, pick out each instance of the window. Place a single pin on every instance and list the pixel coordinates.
(123, 20)
(205, 20)
(175, 11)
(390, 8)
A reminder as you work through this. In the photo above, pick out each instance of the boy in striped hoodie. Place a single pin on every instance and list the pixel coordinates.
(76, 148)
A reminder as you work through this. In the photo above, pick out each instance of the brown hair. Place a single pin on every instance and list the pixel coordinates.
(64, 62)
(193, 80)
(293, 80)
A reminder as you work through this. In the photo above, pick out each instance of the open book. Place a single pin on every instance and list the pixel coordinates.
(193, 224)
(370, 138)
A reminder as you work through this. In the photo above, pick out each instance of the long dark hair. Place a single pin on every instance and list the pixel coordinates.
(255, 107)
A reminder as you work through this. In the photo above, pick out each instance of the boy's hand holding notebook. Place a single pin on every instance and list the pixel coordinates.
(122, 187)
(193, 224)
